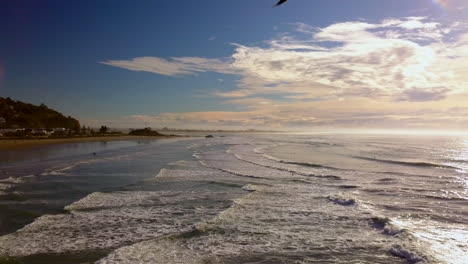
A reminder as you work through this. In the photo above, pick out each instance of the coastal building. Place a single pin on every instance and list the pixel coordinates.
(6, 132)
(10, 130)
(39, 132)
(59, 131)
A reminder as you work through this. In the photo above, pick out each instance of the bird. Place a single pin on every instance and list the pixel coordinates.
(281, 2)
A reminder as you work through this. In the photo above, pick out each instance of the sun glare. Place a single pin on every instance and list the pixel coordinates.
(442, 3)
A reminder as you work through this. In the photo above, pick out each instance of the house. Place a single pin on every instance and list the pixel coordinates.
(59, 131)
(8, 132)
(39, 132)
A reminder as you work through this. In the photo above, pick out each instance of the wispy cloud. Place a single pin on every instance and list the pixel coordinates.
(172, 66)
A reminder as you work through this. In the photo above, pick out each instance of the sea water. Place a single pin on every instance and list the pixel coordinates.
(252, 198)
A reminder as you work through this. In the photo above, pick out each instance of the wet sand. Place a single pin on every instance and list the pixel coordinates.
(7, 144)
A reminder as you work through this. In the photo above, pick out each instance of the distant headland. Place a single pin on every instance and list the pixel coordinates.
(16, 115)
(24, 124)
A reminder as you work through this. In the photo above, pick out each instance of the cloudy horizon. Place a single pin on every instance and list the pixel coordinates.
(411, 67)
(404, 70)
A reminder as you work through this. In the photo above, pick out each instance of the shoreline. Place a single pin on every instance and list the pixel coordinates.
(11, 144)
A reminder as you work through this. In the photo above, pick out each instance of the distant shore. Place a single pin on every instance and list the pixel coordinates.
(7, 144)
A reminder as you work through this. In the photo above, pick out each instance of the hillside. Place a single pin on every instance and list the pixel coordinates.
(17, 114)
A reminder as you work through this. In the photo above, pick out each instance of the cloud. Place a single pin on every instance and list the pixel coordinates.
(380, 74)
(173, 66)
(355, 59)
(433, 94)
(385, 59)
(356, 113)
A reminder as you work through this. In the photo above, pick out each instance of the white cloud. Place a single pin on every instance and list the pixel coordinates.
(391, 59)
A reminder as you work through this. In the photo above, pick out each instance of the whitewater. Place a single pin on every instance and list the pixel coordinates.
(238, 198)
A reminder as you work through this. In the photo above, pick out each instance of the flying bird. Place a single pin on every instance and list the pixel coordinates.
(281, 2)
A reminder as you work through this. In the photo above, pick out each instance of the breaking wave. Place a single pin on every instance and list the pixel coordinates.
(408, 163)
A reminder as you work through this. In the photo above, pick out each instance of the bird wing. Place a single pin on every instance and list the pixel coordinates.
(281, 2)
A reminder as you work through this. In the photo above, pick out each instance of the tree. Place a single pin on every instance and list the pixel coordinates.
(103, 129)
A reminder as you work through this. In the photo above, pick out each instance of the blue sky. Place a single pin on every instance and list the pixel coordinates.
(74, 56)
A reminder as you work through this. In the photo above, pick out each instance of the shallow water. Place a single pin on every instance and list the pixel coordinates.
(33, 185)
(240, 199)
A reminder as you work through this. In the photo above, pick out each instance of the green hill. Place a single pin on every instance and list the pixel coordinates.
(17, 114)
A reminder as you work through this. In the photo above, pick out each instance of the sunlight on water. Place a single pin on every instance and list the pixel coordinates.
(463, 157)
(457, 156)
(449, 243)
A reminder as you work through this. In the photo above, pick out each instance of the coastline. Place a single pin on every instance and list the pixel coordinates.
(10, 144)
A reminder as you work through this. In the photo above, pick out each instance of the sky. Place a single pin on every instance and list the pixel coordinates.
(306, 65)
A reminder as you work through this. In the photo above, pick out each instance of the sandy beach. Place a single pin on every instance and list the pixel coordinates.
(7, 144)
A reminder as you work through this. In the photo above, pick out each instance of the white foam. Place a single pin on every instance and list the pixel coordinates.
(280, 218)
(10, 182)
(449, 242)
(157, 252)
(185, 170)
(115, 199)
(5, 186)
(61, 171)
(103, 221)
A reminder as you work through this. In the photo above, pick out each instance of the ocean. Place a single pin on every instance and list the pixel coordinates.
(238, 198)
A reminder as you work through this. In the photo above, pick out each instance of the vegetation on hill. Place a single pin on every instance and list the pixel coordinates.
(17, 114)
